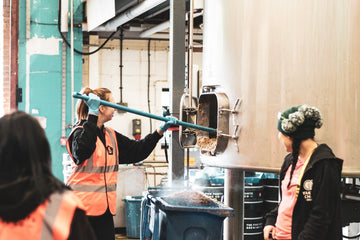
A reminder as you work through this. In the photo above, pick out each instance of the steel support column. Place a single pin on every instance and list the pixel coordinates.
(234, 198)
(177, 82)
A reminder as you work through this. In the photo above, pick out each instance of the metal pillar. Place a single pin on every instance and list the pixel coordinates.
(177, 80)
(234, 198)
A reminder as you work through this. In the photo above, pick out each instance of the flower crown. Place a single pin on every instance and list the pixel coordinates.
(297, 118)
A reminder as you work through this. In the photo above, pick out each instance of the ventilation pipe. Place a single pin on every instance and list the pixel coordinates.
(158, 28)
(166, 25)
(129, 14)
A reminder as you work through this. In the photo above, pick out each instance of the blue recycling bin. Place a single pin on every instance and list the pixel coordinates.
(189, 215)
(132, 215)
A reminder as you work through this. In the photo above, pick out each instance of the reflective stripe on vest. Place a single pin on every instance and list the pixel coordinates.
(50, 220)
(94, 181)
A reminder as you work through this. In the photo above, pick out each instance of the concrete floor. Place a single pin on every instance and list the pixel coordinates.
(120, 233)
(123, 237)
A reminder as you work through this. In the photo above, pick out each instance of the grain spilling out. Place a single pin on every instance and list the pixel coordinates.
(206, 143)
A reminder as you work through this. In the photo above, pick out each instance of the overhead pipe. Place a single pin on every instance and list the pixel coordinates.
(166, 36)
(145, 114)
(129, 15)
(64, 25)
(155, 29)
(162, 26)
(164, 9)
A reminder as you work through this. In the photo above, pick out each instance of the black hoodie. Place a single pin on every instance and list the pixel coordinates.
(317, 211)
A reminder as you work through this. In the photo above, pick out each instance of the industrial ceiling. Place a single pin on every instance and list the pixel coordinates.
(138, 19)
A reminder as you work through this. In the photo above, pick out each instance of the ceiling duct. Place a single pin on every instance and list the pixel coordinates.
(151, 32)
(128, 15)
(122, 5)
(158, 28)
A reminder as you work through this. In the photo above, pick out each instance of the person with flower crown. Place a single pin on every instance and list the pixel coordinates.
(310, 182)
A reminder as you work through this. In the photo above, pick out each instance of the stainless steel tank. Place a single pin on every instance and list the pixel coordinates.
(277, 54)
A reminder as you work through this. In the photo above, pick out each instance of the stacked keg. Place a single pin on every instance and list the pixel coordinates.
(253, 207)
(261, 195)
(271, 193)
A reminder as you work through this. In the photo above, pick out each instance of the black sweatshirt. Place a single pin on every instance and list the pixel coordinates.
(317, 211)
(130, 151)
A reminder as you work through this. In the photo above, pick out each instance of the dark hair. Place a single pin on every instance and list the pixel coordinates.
(24, 149)
(82, 109)
(294, 156)
(25, 155)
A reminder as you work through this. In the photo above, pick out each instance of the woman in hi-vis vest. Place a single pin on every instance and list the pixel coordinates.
(97, 152)
(33, 203)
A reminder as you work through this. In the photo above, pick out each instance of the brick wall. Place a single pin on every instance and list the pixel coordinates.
(6, 55)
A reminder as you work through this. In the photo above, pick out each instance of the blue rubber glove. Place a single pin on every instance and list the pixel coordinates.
(165, 125)
(93, 103)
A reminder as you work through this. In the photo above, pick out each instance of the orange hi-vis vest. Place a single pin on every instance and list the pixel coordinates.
(50, 220)
(94, 181)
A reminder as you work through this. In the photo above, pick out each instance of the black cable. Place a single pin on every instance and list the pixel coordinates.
(75, 50)
(166, 112)
(165, 149)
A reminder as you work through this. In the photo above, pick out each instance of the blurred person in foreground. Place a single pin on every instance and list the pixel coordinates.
(97, 151)
(310, 182)
(33, 203)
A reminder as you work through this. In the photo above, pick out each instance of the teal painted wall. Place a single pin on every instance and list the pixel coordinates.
(43, 69)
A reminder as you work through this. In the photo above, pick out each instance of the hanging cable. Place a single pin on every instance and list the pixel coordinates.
(166, 152)
(75, 50)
